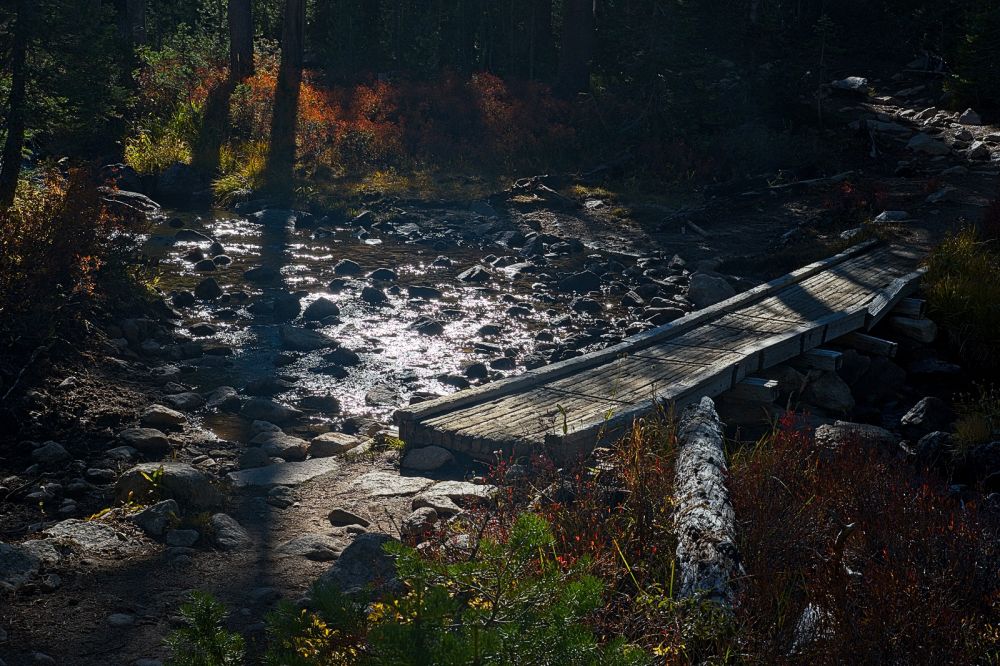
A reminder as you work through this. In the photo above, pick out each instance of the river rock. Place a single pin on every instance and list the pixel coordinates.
(160, 416)
(282, 445)
(339, 517)
(225, 398)
(705, 290)
(979, 150)
(205, 266)
(208, 290)
(581, 282)
(155, 519)
(343, 356)
(315, 547)
(383, 275)
(427, 458)
(373, 295)
(50, 454)
(186, 400)
(475, 274)
(265, 409)
(970, 117)
(149, 441)
(418, 523)
(332, 443)
(427, 326)
(286, 307)
(346, 267)
(253, 457)
(420, 291)
(321, 308)
(295, 338)
(364, 567)
(179, 481)
(463, 492)
(262, 274)
(227, 534)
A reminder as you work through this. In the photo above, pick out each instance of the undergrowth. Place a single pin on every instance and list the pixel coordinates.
(851, 557)
(962, 285)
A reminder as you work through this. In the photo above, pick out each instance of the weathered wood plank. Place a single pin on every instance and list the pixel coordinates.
(646, 338)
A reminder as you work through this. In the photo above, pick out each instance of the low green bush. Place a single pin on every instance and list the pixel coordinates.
(203, 641)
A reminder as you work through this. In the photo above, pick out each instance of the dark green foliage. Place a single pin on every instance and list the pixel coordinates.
(513, 603)
(203, 641)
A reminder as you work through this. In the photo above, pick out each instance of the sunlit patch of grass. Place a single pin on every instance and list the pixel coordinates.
(148, 155)
(242, 168)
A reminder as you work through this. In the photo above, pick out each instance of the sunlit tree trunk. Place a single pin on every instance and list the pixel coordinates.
(240, 40)
(281, 155)
(577, 46)
(10, 167)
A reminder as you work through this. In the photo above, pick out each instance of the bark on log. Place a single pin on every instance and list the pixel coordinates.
(704, 520)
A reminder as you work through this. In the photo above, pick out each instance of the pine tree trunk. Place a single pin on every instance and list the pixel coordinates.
(10, 167)
(240, 40)
(281, 156)
(577, 46)
(135, 22)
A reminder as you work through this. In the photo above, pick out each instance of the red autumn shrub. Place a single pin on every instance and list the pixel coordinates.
(893, 569)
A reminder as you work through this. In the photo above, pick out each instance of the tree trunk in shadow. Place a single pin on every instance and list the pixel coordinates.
(10, 167)
(240, 40)
(281, 154)
(577, 47)
(214, 128)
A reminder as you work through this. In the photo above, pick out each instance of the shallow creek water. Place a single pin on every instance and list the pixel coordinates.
(396, 360)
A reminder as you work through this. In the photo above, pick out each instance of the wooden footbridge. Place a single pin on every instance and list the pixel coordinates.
(566, 408)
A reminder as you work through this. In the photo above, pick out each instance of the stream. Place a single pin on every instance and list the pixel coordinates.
(509, 315)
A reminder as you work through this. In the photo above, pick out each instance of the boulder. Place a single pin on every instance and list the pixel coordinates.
(145, 440)
(253, 457)
(427, 326)
(705, 290)
(265, 409)
(321, 308)
(926, 416)
(427, 458)
(383, 275)
(389, 484)
(179, 184)
(835, 434)
(343, 356)
(825, 389)
(442, 504)
(229, 534)
(286, 307)
(419, 291)
(933, 448)
(970, 117)
(364, 568)
(178, 481)
(979, 150)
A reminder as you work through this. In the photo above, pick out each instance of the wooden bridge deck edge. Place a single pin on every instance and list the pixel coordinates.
(774, 350)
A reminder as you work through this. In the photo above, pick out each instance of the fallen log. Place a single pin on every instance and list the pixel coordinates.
(704, 520)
